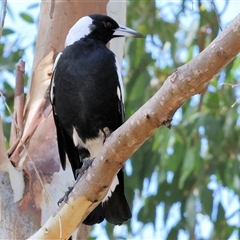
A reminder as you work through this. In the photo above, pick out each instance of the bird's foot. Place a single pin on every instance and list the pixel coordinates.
(86, 164)
(78, 174)
(65, 197)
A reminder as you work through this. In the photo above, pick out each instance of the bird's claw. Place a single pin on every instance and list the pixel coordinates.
(78, 174)
(65, 197)
(86, 164)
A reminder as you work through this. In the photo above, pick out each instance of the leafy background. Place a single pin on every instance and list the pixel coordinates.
(183, 183)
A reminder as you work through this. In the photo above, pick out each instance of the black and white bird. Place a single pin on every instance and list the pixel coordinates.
(87, 98)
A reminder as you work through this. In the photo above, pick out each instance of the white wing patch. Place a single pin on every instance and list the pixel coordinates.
(119, 93)
(93, 145)
(76, 139)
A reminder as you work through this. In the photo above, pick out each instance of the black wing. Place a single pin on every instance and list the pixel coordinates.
(65, 143)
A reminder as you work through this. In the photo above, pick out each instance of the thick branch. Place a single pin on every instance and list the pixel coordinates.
(185, 82)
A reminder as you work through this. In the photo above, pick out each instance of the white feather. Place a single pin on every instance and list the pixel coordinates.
(119, 78)
(114, 183)
(119, 94)
(79, 30)
(93, 145)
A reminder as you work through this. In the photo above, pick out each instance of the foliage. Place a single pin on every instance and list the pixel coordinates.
(180, 175)
(14, 45)
(183, 182)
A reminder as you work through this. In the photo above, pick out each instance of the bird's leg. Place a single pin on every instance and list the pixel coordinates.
(86, 164)
(65, 197)
(78, 174)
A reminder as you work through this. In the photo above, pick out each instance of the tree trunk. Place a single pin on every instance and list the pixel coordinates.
(29, 191)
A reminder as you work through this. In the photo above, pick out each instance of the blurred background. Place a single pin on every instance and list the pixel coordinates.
(183, 183)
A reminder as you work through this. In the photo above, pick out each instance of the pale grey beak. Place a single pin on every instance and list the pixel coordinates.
(123, 31)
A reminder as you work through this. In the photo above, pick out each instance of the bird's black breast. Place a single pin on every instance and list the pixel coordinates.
(86, 83)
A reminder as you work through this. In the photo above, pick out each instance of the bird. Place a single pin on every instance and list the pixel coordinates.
(86, 93)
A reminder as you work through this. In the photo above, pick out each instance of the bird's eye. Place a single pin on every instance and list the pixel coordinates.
(108, 25)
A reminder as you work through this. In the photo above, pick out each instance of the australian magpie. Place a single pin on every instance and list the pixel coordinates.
(86, 93)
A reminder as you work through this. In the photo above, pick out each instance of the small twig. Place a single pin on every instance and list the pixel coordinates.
(199, 107)
(4, 12)
(17, 129)
(19, 94)
(237, 101)
(217, 15)
(5, 103)
(233, 86)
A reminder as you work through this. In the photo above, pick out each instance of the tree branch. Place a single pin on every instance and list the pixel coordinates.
(17, 121)
(186, 81)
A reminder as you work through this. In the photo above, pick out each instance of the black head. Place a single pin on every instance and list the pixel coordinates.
(101, 27)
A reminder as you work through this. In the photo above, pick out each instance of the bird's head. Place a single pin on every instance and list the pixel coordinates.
(100, 27)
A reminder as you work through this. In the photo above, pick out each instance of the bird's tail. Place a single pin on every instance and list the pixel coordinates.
(114, 209)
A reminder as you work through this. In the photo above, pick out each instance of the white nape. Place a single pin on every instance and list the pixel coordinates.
(79, 30)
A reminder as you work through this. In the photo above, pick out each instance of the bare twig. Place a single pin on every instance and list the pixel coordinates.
(233, 86)
(217, 15)
(4, 12)
(5, 103)
(17, 121)
(199, 107)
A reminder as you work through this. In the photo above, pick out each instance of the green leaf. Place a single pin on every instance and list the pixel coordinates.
(7, 31)
(27, 17)
(220, 214)
(206, 198)
(188, 166)
(173, 233)
(148, 212)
